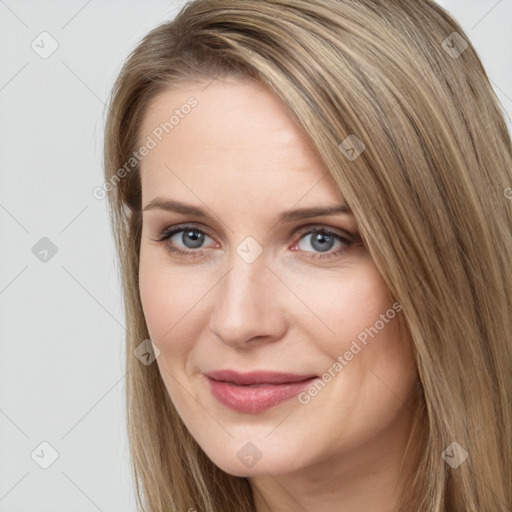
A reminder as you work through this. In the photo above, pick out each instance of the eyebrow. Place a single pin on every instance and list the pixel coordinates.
(301, 213)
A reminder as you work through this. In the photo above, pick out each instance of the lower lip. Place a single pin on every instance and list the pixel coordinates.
(256, 398)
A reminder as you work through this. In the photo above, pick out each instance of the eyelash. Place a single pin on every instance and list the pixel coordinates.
(168, 233)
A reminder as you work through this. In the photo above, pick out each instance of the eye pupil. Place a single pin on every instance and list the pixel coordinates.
(325, 241)
(195, 236)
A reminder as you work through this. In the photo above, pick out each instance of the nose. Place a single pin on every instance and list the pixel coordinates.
(248, 304)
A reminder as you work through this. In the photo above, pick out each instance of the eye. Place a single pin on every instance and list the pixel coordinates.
(318, 237)
(191, 237)
(323, 240)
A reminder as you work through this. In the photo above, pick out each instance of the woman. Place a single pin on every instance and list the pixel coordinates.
(311, 205)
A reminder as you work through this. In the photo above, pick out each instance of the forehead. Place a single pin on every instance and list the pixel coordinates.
(237, 141)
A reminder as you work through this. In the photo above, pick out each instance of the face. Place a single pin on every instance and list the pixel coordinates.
(240, 288)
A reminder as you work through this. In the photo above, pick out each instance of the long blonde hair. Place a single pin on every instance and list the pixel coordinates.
(430, 193)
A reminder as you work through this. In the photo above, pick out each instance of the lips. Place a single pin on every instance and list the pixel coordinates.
(257, 377)
(256, 391)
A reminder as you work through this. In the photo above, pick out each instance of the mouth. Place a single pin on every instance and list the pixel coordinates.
(257, 377)
(256, 392)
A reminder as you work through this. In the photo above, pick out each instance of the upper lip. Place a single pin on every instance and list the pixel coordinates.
(257, 377)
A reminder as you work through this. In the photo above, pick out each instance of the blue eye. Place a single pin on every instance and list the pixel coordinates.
(192, 238)
(323, 240)
(189, 235)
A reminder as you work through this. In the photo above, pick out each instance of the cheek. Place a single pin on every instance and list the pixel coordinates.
(364, 331)
(172, 301)
(346, 305)
(156, 297)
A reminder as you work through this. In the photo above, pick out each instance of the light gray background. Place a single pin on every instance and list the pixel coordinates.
(62, 375)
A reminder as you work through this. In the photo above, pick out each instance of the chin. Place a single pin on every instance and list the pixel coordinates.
(247, 462)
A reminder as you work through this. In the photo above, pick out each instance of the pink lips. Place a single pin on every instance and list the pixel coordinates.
(256, 391)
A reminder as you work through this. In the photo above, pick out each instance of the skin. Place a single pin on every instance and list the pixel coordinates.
(241, 157)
